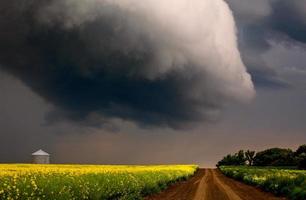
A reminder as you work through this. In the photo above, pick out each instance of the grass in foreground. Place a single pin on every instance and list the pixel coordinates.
(286, 182)
(62, 182)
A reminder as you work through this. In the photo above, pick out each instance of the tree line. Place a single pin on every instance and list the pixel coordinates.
(268, 157)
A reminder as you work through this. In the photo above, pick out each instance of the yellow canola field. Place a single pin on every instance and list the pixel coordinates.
(62, 182)
(280, 181)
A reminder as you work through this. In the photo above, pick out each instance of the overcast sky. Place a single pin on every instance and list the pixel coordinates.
(150, 82)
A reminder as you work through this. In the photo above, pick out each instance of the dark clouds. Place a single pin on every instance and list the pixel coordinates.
(257, 126)
(289, 17)
(121, 59)
(263, 21)
(61, 40)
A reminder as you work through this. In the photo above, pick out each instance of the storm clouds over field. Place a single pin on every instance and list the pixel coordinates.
(142, 61)
(174, 78)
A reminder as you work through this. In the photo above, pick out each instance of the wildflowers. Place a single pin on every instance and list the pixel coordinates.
(287, 182)
(62, 182)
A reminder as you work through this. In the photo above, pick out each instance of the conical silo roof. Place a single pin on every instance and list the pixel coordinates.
(40, 153)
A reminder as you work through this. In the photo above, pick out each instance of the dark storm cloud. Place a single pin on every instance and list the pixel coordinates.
(253, 43)
(262, 21)
(52, 49)
(23, 132)
(268, 79)
(121, 59)
(289, 17)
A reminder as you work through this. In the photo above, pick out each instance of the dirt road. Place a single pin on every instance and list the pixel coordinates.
(210, 184)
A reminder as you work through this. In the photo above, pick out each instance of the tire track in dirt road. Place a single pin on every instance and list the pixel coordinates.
(216, 189)
(210, 184)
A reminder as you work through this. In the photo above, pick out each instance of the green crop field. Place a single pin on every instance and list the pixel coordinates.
(62, 182)
(286, 182)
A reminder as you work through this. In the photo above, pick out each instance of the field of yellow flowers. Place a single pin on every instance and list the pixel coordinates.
(286, 182)
(62, 182)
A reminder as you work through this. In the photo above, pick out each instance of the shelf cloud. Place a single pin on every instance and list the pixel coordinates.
(154, 62)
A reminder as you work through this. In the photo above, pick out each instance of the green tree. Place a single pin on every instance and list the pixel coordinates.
(302, 161)
(301, 150)
(275, 157)
(249, 156)
(241, 157)
(236, 159)
(300, 156)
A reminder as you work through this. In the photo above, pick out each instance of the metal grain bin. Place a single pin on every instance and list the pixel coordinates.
(40, 157)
